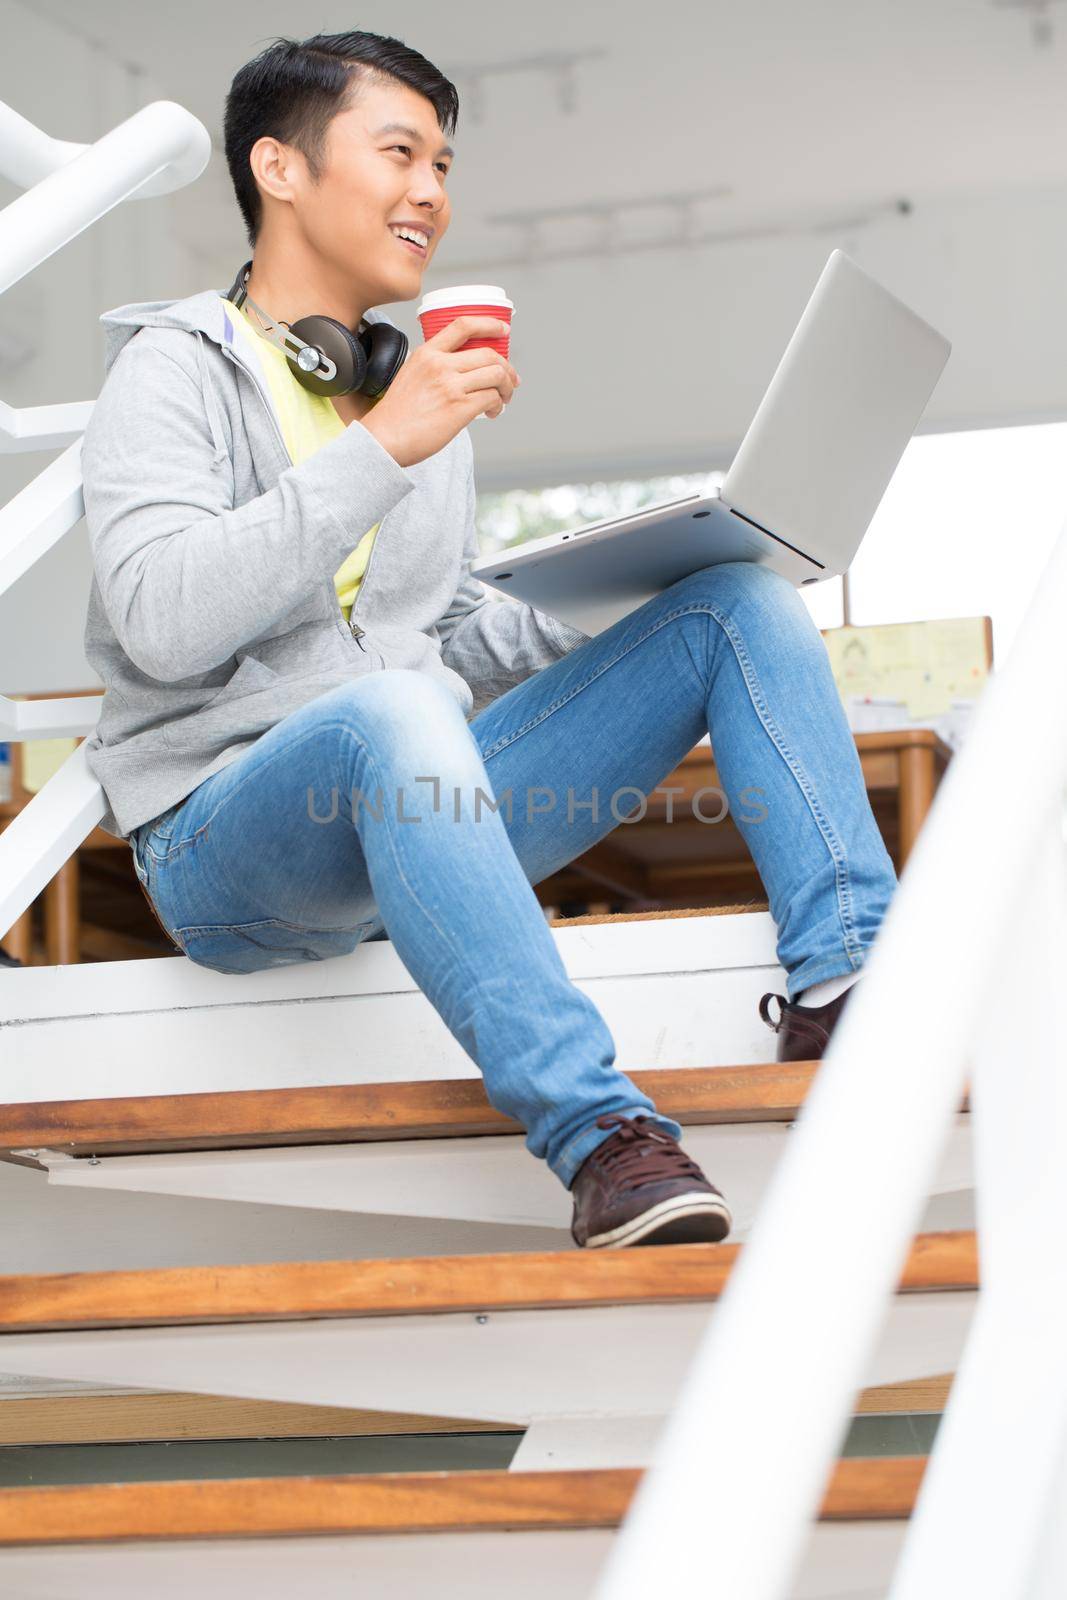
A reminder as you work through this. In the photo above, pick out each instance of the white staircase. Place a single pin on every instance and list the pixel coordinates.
(678, 994)
(336, 1087)
(683, 1407)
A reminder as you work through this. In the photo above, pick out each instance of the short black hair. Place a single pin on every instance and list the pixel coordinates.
(293, 90)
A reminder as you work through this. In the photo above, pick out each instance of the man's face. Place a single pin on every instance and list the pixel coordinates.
(374, 177)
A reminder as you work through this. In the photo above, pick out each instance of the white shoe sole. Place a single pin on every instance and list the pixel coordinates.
(684, 1219)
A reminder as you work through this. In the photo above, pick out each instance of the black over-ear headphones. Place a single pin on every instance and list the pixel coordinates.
(325, 356)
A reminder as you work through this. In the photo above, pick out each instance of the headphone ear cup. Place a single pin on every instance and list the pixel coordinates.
(386, 349)
(342, 347)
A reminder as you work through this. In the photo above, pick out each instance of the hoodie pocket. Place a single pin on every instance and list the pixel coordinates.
(251, 677)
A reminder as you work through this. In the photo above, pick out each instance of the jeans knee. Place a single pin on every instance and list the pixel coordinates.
(742, 588)
(397, 697)
(401, 716)
(731, 577)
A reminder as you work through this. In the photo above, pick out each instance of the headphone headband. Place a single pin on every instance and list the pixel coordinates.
(326, 357)
(238, 291)
(308, 358)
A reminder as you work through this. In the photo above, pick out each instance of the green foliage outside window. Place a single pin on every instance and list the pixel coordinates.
(516, 515)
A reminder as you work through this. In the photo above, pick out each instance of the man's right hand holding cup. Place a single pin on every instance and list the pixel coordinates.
(443, 386)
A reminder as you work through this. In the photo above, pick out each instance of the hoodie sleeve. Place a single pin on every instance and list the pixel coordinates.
(495, 644)
(185, 577)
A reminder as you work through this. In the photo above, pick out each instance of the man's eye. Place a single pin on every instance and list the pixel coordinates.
(442, 165)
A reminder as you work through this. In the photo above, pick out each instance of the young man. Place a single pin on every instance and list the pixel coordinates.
(293, 781)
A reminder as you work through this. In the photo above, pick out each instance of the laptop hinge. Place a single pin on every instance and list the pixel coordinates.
(795, 549)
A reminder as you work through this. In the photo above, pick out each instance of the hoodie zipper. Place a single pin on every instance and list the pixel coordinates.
(268, 408)
(356, 632)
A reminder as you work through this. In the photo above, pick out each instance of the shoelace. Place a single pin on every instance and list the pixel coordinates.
(640, 1152)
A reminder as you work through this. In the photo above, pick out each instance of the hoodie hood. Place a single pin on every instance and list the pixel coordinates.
(204, 315)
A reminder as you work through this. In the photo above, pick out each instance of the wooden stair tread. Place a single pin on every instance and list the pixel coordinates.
(454, 1502)
(296, 1290)
(591, 918)
(143, 1415)
(343, 1114)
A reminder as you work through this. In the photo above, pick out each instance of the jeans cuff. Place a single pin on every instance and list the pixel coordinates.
(821, 970)
(566, 1165)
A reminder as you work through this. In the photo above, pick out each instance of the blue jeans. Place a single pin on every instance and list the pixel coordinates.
(378, 807)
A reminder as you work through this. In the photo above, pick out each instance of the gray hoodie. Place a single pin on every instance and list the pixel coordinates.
(213, 611)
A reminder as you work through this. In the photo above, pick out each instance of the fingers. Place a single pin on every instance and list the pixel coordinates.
(483, 403)
(489, 376)
(461, 329)
(470, 360)
(487, 379)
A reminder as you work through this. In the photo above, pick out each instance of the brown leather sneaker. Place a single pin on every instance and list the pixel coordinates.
(803, 1031)
(640, 1187)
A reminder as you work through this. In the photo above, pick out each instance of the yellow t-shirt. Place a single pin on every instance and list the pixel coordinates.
(307, 421)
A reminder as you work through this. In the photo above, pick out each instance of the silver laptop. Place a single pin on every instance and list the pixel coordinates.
(802, 489)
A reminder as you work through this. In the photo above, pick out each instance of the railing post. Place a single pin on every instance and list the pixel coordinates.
(69, 187)
(739, 1469)
(982, 1515)
(1050, 1568)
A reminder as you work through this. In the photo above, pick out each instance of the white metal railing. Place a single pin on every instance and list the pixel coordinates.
(160, 148)
(42, 427)
(967, 975)
(46, 832)
(69, 187)
(35, 519)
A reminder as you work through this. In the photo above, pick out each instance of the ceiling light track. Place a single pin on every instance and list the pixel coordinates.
(558, 66)
(535, 251)
(1039, 12)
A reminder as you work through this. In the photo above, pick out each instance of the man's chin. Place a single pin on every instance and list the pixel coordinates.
(398, 293)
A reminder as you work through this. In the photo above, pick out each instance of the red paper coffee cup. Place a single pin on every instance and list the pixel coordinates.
(442, 306)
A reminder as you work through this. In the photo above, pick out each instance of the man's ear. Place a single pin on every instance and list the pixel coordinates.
(274, 166)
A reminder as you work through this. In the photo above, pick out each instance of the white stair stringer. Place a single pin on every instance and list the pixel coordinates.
(485, 1179)
(675, 992)
(510, 1366)
(845, 1561)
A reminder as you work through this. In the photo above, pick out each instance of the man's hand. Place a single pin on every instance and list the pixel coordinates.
(440, 389)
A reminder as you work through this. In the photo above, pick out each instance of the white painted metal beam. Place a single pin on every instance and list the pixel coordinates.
(43, 836)
(675, 992)
(160, 148)
(35, 519)
(479, 1179)
(507, 1366)
(42, 427)
(845, 1561)
(983, 1515)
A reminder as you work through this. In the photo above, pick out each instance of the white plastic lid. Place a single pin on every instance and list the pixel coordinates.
(465, 294)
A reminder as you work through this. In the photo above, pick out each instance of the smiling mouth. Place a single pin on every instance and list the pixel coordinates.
(415, 249)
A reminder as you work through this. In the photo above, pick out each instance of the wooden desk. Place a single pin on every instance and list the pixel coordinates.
(911, 762)
(656, 864)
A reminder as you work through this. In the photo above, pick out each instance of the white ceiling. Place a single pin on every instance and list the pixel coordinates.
(801, 107)
(818, 117)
